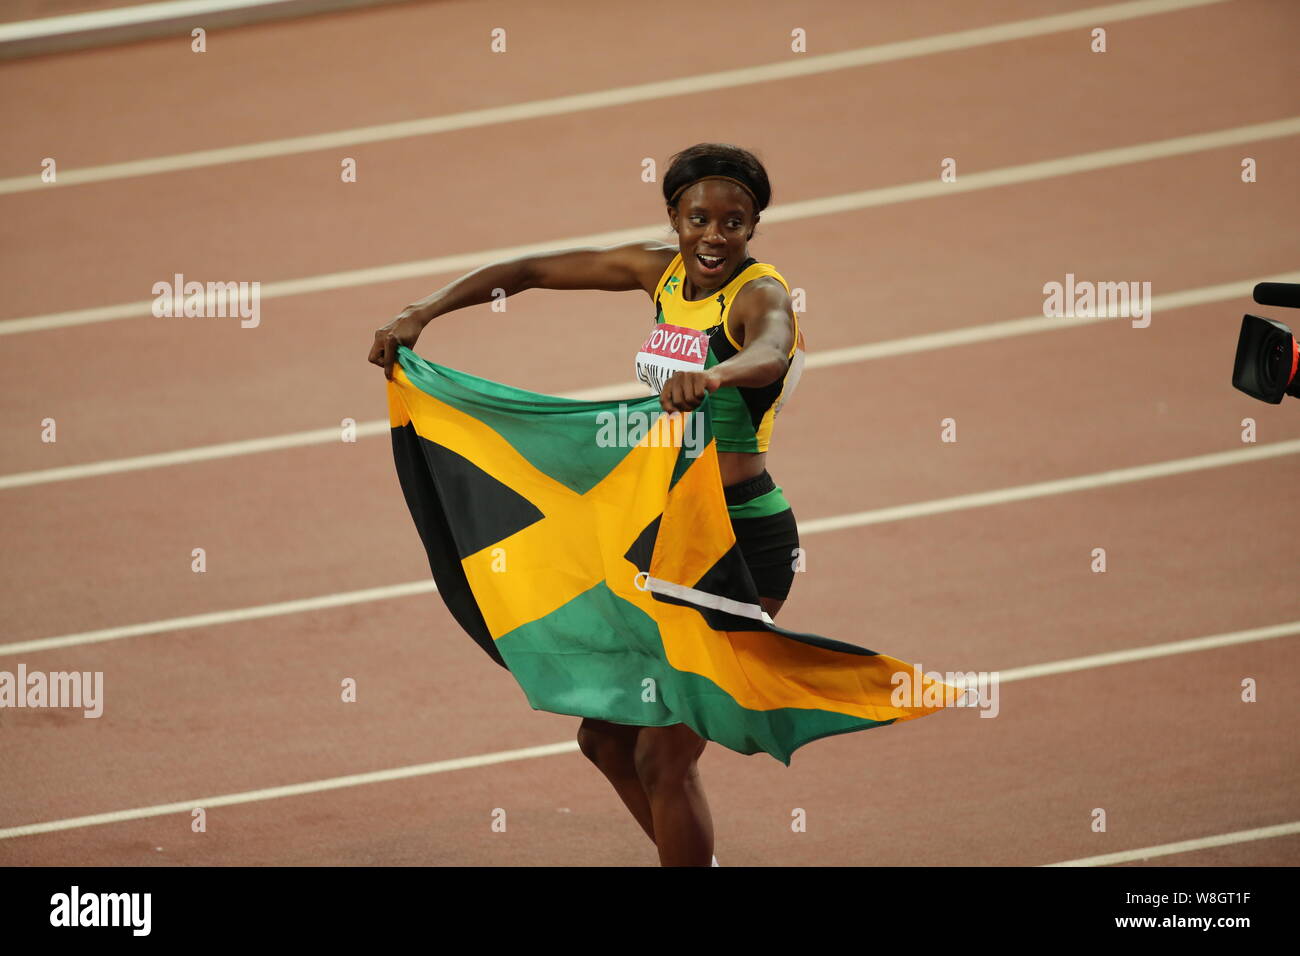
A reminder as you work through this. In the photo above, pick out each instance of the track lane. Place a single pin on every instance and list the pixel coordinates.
(1226, 574)
(991, 599)
(1021, 794)
(393, 64)
(292, 524)
(408, 192)
(914, 281)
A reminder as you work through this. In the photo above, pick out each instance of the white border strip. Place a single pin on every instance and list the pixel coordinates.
(694, 596)
(482, 760)
(1185, 846)
(685, 86)
(790, 212)
(943, 505)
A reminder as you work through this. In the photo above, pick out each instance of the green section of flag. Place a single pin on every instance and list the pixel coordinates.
(605, 677)
(558, 436)
(556, 618)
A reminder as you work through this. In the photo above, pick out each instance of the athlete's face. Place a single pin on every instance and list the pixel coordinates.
(714, 221)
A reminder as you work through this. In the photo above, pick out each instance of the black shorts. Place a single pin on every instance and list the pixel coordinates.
(766, 533)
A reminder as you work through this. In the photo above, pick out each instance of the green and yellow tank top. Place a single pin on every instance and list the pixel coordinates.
(742, 418)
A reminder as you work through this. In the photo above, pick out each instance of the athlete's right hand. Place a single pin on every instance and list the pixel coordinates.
(403, 330)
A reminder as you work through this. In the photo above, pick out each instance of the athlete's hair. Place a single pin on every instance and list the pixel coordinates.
(704, 160)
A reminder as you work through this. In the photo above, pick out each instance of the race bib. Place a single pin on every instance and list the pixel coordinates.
(669, 349)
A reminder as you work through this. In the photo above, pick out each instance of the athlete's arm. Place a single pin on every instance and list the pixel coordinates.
(762, 321)
(632, 265)
(622, 268)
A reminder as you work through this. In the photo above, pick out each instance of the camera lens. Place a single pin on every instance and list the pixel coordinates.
(1271, 361)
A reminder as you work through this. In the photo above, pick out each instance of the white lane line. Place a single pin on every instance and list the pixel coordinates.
(234, 616)
(462, 262)
(122, 17)
(318, 436)
(1165, 302)
(444, 766)
(295, 790)
(253, 446)
(1185, 846)
(831, 357)
(618, 96)
(789, 212)
(1129, 655)
(1043, 489)
(816, 526)
(1043, 169)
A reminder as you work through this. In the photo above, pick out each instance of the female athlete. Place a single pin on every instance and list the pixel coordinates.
(715, 194)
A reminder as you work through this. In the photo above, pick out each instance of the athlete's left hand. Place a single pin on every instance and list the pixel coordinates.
(684, 391)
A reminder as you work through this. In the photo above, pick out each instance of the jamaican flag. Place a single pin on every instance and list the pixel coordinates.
(586, 547)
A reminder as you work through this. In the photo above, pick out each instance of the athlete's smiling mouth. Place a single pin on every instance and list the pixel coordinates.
(710, 265)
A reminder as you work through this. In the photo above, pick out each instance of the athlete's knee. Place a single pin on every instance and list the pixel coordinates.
(667, 756)
(603, 744)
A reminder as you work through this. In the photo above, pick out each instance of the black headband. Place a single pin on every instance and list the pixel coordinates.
(701, 179)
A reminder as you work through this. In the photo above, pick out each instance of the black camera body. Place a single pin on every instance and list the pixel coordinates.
(1268, 355)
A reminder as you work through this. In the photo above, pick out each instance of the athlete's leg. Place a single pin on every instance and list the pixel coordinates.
(612, 748)
(666, 763)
